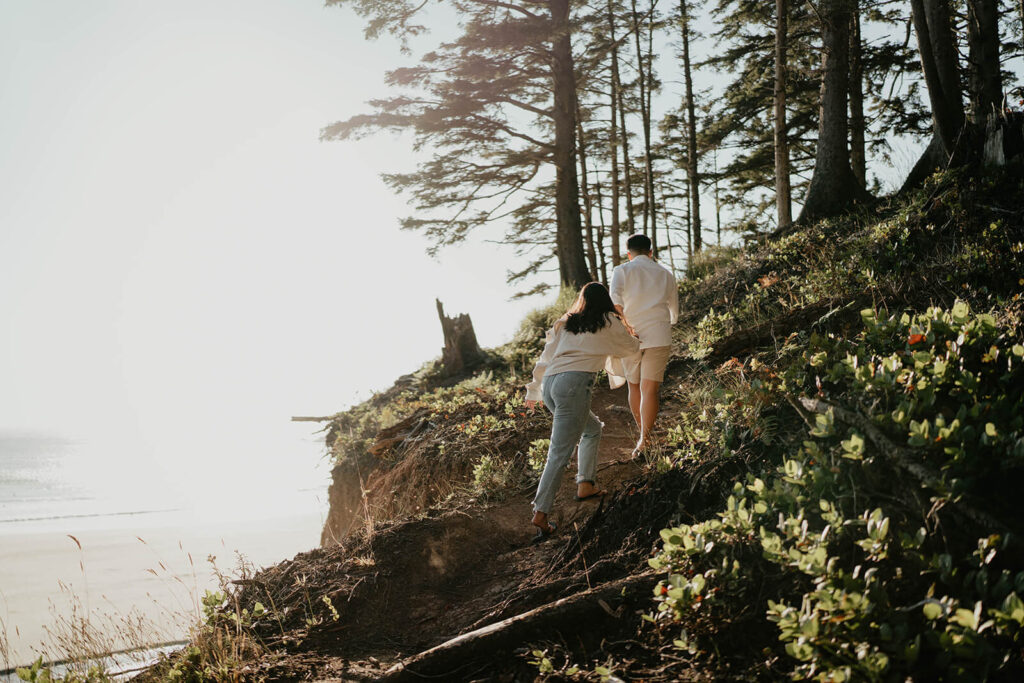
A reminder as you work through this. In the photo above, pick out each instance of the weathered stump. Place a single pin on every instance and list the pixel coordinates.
(461, 351)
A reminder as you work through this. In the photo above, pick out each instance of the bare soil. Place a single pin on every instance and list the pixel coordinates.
(414, 584)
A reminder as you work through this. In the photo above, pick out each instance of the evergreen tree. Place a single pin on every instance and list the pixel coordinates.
(497, 107)
(783, 193)
(834, 186)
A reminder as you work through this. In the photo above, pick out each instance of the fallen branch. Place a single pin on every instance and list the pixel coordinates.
(831, 311)
(585, 610)
(601, 570)
(903, 458)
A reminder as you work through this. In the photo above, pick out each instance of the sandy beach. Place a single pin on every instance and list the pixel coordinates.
(153, 566)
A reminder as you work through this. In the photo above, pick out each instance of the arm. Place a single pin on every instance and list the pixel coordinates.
(673, 302)
(625, 341)
(616, 288)
(533, 393)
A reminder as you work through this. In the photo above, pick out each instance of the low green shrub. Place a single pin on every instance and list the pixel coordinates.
(880, 513)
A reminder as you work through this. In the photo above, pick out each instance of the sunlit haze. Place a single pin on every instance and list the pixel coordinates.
(184, 265)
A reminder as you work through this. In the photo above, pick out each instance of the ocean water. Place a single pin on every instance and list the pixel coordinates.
(46, 478)
(53, 483)
(144, 531)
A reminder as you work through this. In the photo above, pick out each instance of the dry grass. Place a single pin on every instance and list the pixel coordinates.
(5, 643)
(88, 638)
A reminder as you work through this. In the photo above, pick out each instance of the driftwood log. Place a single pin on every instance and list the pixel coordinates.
(454, 659)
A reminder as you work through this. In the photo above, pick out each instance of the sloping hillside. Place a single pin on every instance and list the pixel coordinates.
(834, 495)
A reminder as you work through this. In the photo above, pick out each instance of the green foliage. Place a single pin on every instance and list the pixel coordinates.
(492, 477)
(710, 259)
(537, 456)
(710, 329)
(889, 597)
(38, 672)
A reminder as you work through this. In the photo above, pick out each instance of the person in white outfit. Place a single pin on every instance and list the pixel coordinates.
(647, 295)
(578, 346)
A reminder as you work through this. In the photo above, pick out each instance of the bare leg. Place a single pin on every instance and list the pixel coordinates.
(649, 404)
(634, 403)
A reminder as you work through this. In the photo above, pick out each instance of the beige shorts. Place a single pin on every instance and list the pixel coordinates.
(647, 364)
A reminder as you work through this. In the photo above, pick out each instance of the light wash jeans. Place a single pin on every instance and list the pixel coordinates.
(567, 395)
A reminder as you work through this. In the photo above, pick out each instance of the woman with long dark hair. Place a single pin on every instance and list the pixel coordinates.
(577, 347)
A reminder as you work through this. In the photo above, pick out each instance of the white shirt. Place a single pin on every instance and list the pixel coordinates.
(583, 352)
(649, 296)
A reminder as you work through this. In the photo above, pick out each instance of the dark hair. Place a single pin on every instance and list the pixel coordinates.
(638, 243)
(589, 313)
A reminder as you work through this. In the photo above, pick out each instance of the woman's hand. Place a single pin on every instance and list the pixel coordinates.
(530, 404)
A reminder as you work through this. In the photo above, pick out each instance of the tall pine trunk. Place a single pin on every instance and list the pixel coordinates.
(601, 231)
(588, 220)
(718, 203)
(645, 120)
(858, 153)
(833, 186)
(985, 81)
(649, 155)
(692, 170)
(627, 166)
(933, 26)
(572, 265)
(783, 190)
(668, 231)
(613, 138)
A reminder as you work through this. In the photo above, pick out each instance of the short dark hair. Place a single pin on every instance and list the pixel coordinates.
(638, 243)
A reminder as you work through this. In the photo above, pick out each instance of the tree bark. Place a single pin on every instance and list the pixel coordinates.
(461, 350)
(718, 203)
(833, 186)
(645, 120)
(858, 153)
(588, 220)
(627, 181)
(648, 157)
(941, 73)
(985, 81)
(572, 265)
(689, 232)
(616, 256)
(932, 158)
(668, 230)
(614, 139)
(600, 234)
(783, 190)
(692, 170)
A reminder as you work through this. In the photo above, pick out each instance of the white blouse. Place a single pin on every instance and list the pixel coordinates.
(565, 351)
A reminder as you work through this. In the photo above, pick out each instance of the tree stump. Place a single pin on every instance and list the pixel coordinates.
(461, 351)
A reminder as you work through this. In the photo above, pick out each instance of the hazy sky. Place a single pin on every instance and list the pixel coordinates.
(183, 265)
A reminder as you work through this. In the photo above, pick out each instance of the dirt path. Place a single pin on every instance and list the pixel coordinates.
(421, 582)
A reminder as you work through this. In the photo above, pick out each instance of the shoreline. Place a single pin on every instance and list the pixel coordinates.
(126, 579)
